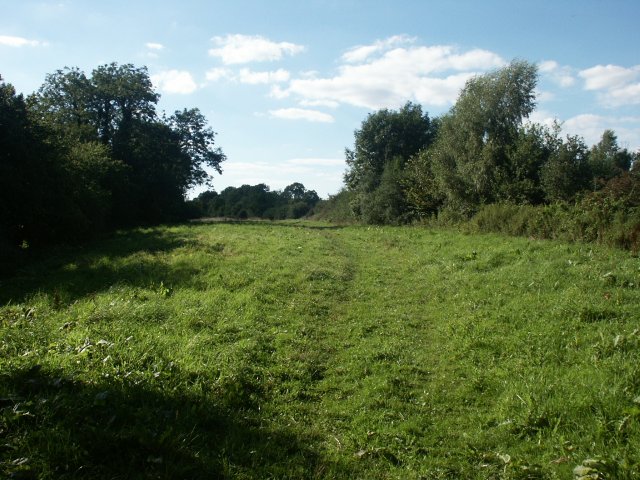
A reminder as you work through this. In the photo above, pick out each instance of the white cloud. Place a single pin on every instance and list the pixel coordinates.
(561, 75)
(385, 75)
(626, 95)
(542, 117)
(278, 92)
(309, 74)
(154, 46)
(318, 162)
(319, 103)
(618, 86)
(591, 127)
(544, 95)
(361, 53)
(608, 76)
(301, 114)
(235, 49)
(215, 74)
(254, 78)
(10, 41)
(175, 81)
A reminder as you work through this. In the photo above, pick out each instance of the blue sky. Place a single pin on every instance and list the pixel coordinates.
(286, 83)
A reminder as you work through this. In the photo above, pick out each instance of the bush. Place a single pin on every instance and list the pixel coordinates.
(336, 209)
(591, 220)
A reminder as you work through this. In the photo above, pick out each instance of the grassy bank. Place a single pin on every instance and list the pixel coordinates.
(302, 350)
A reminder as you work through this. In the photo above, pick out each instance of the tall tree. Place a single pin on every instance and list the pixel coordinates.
(607, 159)
(385, 141)
(122, 93)
(471, 158)
(197, 142)
(64, 103)
(567, 172)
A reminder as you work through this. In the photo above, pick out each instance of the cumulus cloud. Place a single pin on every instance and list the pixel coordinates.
(237, 49)
(301, 114)
(175, 81)
(153, 49)
(215, 74)
(385, 74)
(255, 78)
(362, 52)
(16, 42)
(561, 75)
(319, 103)
(154, 46)
(543, 117)
(591, 126)
(617, 86)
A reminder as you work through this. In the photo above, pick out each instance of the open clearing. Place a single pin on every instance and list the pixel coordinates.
(303, 350)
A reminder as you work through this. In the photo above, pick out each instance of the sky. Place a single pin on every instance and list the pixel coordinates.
(285, 83)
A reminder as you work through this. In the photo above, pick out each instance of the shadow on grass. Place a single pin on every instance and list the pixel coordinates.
(70, 273)
(133, 258)
(60, 428)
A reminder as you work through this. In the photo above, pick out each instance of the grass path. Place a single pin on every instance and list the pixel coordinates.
(301, 350)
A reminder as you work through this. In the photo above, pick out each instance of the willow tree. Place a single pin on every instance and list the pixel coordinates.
(471, 158)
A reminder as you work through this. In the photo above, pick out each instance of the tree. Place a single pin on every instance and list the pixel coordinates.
(387, 204)
(64, 103)
(386, 137)
(299, 200)
(121, 93)
(295, 191)
(567, 172)
(607, 159)
(152, 162)
(258, 201)
(420, 187)
(51, 189)
(527, 155)
(471, 158)
(197, 142)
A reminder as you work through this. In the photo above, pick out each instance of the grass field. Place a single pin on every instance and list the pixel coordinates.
(303, 350)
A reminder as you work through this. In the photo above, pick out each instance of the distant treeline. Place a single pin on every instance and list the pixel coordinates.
(484, 161)
(255, 201)
(86, 154)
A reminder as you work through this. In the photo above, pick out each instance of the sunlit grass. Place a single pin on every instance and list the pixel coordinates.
(300, 350)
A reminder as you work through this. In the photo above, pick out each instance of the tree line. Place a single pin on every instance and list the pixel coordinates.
(483, 157)
(89, 153)
(256, 201)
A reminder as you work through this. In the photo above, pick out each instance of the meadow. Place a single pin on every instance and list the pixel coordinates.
(286, 350)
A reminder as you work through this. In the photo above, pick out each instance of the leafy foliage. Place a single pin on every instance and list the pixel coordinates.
(484, 158)
(383, 145)
(86, 154)
(471, 158)
(256, 201)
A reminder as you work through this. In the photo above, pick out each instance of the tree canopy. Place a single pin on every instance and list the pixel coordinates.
(384, 143)
(484, 150)
(88, 153)
(256, 201)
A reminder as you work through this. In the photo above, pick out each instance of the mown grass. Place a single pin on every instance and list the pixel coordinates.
(301, 350)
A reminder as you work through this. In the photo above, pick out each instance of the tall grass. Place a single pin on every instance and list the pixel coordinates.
(582, 222)
(304, 350)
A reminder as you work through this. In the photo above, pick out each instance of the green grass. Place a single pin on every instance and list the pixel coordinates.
(301, 350)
